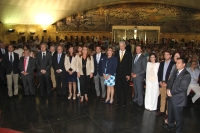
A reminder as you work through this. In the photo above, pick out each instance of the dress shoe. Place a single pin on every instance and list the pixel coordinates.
(124, 103)
(160, 113)
(11, 98)
(33, 96)
(97, 98)
(15, 96)
(132, 102)
(139, 108)
(25, 95)
(170, 128)
(118, 103)
(103, 99)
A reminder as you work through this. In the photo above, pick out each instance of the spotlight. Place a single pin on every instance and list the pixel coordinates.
(11, 30)
(21, 33)
(32, 33)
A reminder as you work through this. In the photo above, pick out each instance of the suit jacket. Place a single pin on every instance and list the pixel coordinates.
(59, 65)
(179, 88)
(160, 71)
(30, 67)
(89, 66)
(1, 54)
(123, 67)
(72, 65)
(43, 64)
(97, 67)
(139, 67)
(110, 64)
(11, 67)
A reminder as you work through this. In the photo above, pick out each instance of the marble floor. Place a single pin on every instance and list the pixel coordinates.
(60, 115)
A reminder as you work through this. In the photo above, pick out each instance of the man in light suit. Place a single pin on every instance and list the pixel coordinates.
(139, 64)
(27, 66)
(11, 65)
(98, 74)
(58, 61)
(43, 65)
(53, 79)
(177, 95)
(123, 72)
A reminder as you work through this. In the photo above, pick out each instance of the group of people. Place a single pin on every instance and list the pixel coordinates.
(168, 78)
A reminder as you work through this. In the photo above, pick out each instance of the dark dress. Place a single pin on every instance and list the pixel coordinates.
(73, 77)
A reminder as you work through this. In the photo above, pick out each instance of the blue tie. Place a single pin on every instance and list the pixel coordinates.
(58, 58)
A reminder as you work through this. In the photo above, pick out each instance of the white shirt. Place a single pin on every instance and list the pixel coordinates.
(98, 56)
(27, 60)
(45, 53)
(12, 56)
(179, 71)
(120, 52)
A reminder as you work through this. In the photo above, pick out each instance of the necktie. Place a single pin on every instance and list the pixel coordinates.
(44, 56)
(58, 58)
(122, 55)
(25, 64)
(136, 58)
(175, 78)
(11, 59)
(3, 51)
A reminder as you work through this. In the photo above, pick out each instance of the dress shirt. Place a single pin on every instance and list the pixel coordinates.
(27, 60)
(166, 64)
(98, 56)
(12, 56)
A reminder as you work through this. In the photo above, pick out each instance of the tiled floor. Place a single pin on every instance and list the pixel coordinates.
(58, 115)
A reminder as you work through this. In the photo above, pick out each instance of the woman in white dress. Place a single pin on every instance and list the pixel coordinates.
(152, 85)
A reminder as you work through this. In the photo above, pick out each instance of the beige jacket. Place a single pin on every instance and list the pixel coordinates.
(89, 66)
(73, 63)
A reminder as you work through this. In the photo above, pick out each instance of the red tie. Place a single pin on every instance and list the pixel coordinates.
(25, 64)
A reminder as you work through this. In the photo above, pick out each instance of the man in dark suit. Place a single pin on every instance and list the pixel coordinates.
(163, 76)
(59, 71)
(3, 51)
(177, 95)
(98, 74)
(26, 67)
(43, 65)
(123, 72)
(139, 64)
(11, 65)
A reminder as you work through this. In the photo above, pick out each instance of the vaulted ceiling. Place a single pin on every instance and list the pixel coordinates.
(46, 12)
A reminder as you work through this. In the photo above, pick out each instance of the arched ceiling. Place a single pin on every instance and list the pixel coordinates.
(49, 11)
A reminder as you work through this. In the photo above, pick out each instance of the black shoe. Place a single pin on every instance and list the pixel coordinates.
(124, 104)
(139, 108)
(25, 96)
(97, 98)
(32, 96)
(132, 102)
(170, 128)
(10, 98)
(118, 103)
(16, 96)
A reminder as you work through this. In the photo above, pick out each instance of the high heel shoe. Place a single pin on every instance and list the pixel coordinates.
(74, 98)
(70, 96)
(78, 94)
(86, 99)
(111, 102)
(81, 100)
(106, 102)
